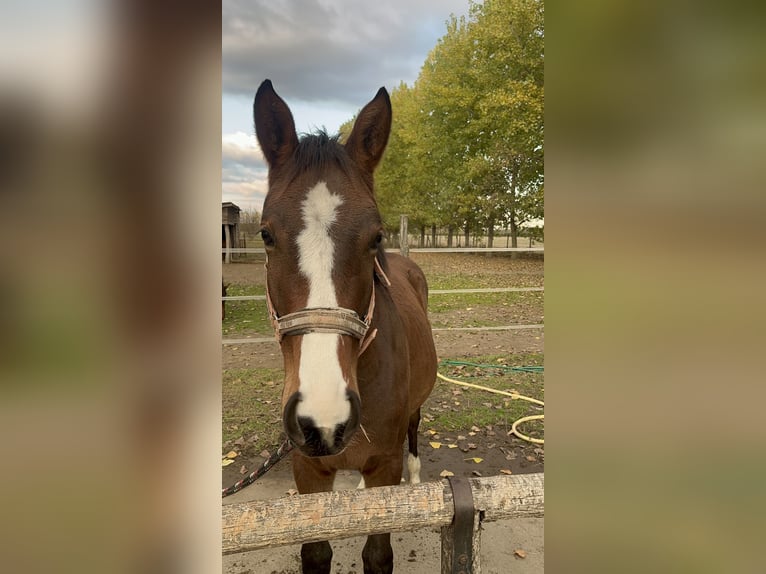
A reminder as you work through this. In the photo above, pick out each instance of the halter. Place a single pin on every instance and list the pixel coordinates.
(328, 319)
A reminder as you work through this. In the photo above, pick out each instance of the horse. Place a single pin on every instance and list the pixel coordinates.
(351, 320)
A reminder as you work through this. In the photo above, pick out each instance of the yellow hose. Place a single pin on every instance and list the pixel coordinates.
(514, 430)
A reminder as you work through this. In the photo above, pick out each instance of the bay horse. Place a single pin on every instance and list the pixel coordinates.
(352, 322)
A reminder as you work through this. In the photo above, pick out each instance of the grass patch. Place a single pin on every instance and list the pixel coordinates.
(453, 408)
(453, 301)
(460, 281)
(245, 316)
(479, 309)
(251, 407)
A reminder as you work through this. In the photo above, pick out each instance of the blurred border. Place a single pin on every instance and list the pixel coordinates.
(110, 355)
(656, 122)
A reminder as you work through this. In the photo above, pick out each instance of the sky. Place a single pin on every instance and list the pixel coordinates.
(325, 58)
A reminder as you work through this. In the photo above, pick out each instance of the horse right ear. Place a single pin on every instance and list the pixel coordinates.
(274, 125)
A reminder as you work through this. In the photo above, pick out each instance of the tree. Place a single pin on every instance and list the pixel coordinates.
(466, 148)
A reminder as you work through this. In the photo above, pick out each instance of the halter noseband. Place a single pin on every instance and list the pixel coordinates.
(328, 319)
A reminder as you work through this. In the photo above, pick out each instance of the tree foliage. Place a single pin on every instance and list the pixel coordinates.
(466, 147)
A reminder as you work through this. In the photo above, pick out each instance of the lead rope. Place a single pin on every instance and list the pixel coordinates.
(280, 453)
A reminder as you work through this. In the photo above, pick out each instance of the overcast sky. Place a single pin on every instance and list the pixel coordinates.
(326, 58)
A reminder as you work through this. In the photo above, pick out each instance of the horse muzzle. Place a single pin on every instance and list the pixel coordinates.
(313, 440)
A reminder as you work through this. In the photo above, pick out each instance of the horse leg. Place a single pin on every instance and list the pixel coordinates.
(310, 477)
(413, 461)
(377, 556)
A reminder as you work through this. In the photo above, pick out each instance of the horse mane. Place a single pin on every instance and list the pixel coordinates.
(319, 150)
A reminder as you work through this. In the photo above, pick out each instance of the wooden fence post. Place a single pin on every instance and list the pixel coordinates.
(404, 247)
(461, 540)
(227, 231)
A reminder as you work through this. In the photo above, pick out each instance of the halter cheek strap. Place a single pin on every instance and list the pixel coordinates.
(328, 319)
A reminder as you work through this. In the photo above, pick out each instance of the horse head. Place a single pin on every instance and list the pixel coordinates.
(322, 232)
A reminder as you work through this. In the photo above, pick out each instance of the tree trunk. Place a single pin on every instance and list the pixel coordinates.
(514, 231)
(404, 243)
(422, 236)
(465, 230)
(449, 235)
(433, 235)
(491, 233)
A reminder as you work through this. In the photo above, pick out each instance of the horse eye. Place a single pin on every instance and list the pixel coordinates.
(378, 240)
(268, 240)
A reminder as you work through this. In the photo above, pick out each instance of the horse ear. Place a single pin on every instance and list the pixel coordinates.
(274, 125)
(369, 136)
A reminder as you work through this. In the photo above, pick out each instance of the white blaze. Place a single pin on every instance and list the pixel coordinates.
(322, 387)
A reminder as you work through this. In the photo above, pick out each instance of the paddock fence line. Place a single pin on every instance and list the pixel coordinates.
(261, 250)
(248, 340)
(305, 518)
(430, 292)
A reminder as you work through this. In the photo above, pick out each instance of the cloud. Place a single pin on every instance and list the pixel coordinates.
(336, 50)
(325, 57)
(243, 171)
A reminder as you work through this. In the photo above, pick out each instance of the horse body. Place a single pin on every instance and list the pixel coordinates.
(353, 387)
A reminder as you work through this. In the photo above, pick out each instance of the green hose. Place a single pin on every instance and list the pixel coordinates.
(525, 369)
(513, 395)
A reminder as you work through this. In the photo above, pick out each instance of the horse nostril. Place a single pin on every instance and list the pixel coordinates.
(290, 420)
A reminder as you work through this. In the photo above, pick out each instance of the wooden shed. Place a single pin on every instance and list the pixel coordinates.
(230, 228)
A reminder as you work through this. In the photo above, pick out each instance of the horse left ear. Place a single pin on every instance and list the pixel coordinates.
(369, 136)
(274, 125)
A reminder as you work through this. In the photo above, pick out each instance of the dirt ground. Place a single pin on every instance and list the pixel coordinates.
(498, 450)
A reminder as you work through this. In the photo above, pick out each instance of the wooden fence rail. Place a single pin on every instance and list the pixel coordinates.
(341, 514)
(259, 250)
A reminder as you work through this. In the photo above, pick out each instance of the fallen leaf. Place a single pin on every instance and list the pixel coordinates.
(431, 431)
(265, 454)
(451, 446)
(472, 446)
(505, 471)
(240, 441)
(475, 473)
(520, 553)
(474, 428)
(446, 473)
(460, 437)
(530, 458)
(435, 444)
(291, 492)
(476, 459)
(226, 462)
(231, 454)
(243, 470)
